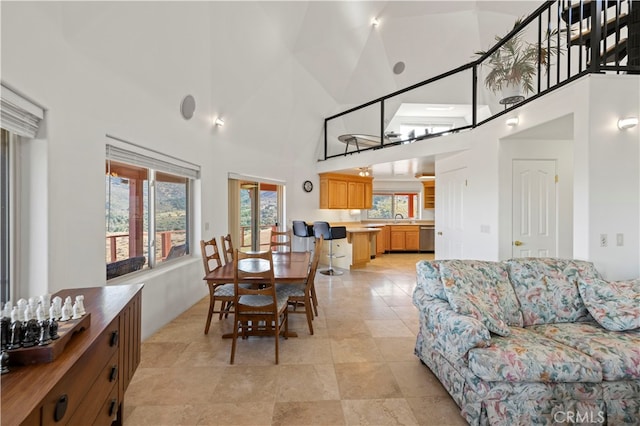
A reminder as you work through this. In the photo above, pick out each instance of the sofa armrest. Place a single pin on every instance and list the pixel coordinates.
(454, 334)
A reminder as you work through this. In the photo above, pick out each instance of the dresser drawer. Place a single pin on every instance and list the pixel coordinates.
(96, 396)
(109, 410)
(66, 397)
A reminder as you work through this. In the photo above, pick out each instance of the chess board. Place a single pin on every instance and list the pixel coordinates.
(42, 354)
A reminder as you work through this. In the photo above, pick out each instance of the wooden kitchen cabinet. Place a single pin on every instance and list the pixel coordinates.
(338, 191)
(382, 240)
(86, 383)
(429, 194)
(404, 238)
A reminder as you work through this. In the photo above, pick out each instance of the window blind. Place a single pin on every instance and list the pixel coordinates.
(18, 115)
(152, 160)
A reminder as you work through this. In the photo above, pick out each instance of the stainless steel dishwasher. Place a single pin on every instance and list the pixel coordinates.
(427, 238)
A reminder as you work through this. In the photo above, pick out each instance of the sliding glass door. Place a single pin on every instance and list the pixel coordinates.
(255, 208)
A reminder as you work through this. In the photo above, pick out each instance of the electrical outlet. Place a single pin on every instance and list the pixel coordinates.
(619, 240)
(603, 240)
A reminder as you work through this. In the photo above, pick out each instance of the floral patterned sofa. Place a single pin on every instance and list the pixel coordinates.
(522, 341)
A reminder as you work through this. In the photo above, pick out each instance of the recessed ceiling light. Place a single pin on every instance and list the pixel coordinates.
(375, 22)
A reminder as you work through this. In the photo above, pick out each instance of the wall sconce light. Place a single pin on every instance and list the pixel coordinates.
(218, 122)
(364, 171)
(512, 121)
(627, 122)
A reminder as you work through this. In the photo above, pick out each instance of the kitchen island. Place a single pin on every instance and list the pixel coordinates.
(354, 251)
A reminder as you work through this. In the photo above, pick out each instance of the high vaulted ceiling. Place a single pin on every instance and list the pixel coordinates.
(273, 69)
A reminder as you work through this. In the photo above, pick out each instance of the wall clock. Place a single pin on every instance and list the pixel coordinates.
(307, 186)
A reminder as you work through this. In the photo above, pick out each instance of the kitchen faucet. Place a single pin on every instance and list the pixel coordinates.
(399, 214)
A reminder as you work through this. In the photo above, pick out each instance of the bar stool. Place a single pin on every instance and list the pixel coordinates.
(303, 230)
(329, 233)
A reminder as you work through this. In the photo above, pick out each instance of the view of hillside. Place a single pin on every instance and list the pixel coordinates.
(171, 202)
(171, 215)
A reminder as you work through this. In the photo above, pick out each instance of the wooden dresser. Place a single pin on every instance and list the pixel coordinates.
(85, 385)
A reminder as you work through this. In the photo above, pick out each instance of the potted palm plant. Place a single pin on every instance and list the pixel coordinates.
(514, 65)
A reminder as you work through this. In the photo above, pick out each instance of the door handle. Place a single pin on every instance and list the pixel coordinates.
(517, 243)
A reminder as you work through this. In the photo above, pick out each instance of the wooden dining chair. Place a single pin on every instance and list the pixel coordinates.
(303, 294)
(280, 240)
(227, 248)
(217, 292)
(258, 311)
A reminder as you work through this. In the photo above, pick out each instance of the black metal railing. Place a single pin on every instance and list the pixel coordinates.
(564, 40)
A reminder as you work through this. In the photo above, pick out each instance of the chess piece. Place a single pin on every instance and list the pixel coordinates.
(67, 310)
(43, 324)
(76, 311)
(80, 303)
(7, 309)
(57, 304)
(15, 331)
(33, 303)
(5, 324)
(28, 314)
(22, 305)
(53, 328)
(45, 301)
(52, 312)
(30, 333)
(66, 313)
(4, 361)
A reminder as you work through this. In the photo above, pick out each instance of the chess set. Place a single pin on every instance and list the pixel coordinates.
(37, 330)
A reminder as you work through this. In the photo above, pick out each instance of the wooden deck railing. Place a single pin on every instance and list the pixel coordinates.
(167, 240)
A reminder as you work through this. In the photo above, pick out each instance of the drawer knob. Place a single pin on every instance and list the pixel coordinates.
(61, 407)
(114, 373)
(114, 338)
(113, 407)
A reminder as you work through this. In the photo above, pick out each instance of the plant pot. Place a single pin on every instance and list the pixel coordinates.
(511, 95)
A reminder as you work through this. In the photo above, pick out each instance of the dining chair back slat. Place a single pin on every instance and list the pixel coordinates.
(258, 311)
(302, 295)
(227, 248)
(280, 240)
(217, 291)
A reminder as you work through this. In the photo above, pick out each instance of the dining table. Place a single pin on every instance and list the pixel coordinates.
(288, 268)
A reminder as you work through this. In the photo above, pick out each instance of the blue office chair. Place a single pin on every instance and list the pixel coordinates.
(329, 233)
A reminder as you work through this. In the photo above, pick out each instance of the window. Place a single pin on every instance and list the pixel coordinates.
(20, 119)
(388, 205)
(148, 211)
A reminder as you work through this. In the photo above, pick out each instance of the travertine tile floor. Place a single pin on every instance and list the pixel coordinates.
(357, 369)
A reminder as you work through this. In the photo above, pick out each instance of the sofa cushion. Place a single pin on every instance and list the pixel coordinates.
(481, 289)
(428, 278)
(614, 304)
(450, 333)
(617, 352)
(529, 357)
(547, 289)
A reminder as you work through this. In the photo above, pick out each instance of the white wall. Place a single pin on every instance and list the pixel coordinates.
(614, 175)
(115, 68)
(603, 161)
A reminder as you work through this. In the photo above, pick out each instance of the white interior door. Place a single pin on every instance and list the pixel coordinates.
(534, 208)
(450, 192)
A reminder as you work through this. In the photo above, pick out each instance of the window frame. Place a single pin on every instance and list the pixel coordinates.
(393, 195)
(155, 163)
(8, 215)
